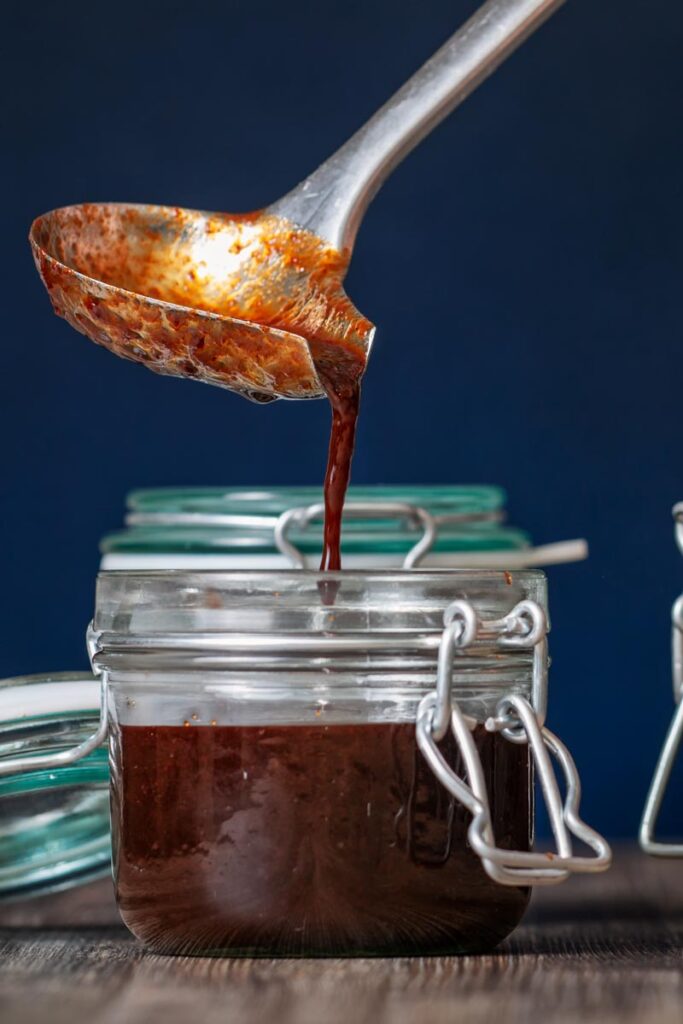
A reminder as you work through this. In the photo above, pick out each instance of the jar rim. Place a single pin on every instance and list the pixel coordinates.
(501, 575)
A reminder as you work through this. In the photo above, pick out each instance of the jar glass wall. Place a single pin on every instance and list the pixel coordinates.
(269, 796)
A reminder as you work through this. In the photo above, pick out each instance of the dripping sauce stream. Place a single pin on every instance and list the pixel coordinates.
(344, 401)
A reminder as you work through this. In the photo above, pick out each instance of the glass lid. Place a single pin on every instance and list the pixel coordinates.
(54, 824)
(243, 520)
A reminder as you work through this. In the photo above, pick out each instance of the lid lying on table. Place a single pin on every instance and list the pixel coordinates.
(54, 824)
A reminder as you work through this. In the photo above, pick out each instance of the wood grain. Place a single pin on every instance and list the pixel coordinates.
(604, 949)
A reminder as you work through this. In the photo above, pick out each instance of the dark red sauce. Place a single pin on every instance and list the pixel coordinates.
(344, 402)
(340, 371)
(308, 840)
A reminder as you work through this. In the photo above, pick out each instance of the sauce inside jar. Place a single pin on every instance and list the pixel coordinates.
(299, 840)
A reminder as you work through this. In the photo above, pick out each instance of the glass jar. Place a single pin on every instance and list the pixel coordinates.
(329, 764)
(272, 528)
(54, 821)
(672, 740)
(213, 528)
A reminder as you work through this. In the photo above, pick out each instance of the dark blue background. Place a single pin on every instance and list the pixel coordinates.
(523, 266)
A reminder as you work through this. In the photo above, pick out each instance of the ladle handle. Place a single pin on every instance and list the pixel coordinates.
(332, 201)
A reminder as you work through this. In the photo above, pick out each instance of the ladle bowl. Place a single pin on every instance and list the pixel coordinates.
(229, 300)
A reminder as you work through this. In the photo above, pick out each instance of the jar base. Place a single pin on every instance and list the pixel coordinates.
(473, 937)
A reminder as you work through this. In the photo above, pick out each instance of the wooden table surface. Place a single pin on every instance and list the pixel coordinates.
(604, 949)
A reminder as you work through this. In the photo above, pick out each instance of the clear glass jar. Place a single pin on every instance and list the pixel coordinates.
(213, 528)
(307, 764)
(271, 528)
(54, 821)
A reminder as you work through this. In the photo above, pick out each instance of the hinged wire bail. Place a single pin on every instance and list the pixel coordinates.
(518, 721)
(527, 626)
(92, 643)
(304, 515)
(672, 740)
(511, 867)
(677, 648)
(460, 630)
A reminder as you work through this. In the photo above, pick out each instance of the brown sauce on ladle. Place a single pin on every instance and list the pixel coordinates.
(247, 302)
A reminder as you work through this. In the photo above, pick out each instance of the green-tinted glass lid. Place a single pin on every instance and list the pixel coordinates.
(242, 522)
(54, 824)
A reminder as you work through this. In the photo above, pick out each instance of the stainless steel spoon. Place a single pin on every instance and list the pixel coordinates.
(255, 303)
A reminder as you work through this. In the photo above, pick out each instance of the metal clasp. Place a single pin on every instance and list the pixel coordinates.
(21, 765)
(421, 519)
(303, 516)
(518, 721)
(672, 741)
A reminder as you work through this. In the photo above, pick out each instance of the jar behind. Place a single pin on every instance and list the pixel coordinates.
(236, 528)
(270, 791)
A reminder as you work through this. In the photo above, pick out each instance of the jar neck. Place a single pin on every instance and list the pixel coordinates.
(261, 698)
(289, 637)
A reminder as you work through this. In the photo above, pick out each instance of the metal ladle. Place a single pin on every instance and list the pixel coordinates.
(255, 302)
